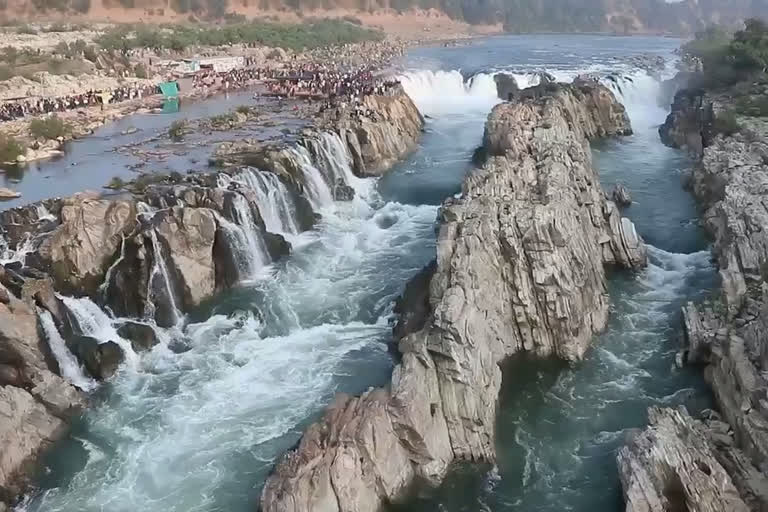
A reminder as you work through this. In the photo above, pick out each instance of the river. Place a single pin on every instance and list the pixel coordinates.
(197, 424)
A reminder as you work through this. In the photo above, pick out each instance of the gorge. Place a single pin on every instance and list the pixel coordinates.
(258, 316)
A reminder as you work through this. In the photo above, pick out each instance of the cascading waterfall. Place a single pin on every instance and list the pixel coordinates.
(111, 270)
(274, 201)
(8, 255)
(439, 93)
(255, 250)
(332, 157)
(318, 191)
(43, 214)
(68, 364)
(159, 271)
(94, 322)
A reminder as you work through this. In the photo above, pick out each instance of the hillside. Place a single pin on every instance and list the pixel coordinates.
(620, 16)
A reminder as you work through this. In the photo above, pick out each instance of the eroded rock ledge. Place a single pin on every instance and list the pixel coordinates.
(153, 253)
(521, 260)
(725, 335)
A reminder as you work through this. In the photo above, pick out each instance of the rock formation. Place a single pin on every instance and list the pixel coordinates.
(34, 401)
(672, 466)
(380, 131)
(688, 125)
(520, 267)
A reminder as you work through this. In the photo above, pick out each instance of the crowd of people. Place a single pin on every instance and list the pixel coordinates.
(341, 74)
(18, 109)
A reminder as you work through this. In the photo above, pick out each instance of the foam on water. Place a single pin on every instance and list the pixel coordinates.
(94, 322)
(275, 204)
(437, 93)
(69, 367)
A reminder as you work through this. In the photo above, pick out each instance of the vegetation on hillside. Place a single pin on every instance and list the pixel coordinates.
(727, 59)
(310, 34)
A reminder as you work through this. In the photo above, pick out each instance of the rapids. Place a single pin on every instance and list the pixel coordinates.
(196, 424)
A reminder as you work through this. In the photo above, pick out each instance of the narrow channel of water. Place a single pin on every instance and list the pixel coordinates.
(559, 426)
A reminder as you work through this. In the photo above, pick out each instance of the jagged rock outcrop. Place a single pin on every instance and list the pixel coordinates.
(672, 466)
(380, 131)
(506, 86)
(78, 252)
(520, 267)
(621, 196)
(689, 123)
(34, 401)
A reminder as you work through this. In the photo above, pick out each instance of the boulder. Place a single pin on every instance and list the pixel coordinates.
(506, 86)
(102, 360)
(79, 251)
(142, 336)
(621, 196)
(188, 235)
(6, 193)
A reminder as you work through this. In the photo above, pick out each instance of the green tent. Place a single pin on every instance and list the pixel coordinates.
(169, 89)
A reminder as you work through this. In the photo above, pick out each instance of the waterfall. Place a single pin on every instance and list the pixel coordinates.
(250, 253)
(43, 214)
(317, 189)
(94, 322)
(447, 92)
(274, 201)
(111, 270)
(68, 364)
(333, 158)
(159, 271)
(8, 255)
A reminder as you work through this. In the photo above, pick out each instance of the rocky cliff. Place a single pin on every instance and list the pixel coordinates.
(725, 335)
(382, 130)
(153, 253)
(521, 260)
(35, 402)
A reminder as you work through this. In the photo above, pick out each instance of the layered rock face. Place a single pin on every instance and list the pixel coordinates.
(689, 123)
(35, 401)
(521, 260)
(726, 335)
(672, 466)
(381, 131)
(377, 133)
